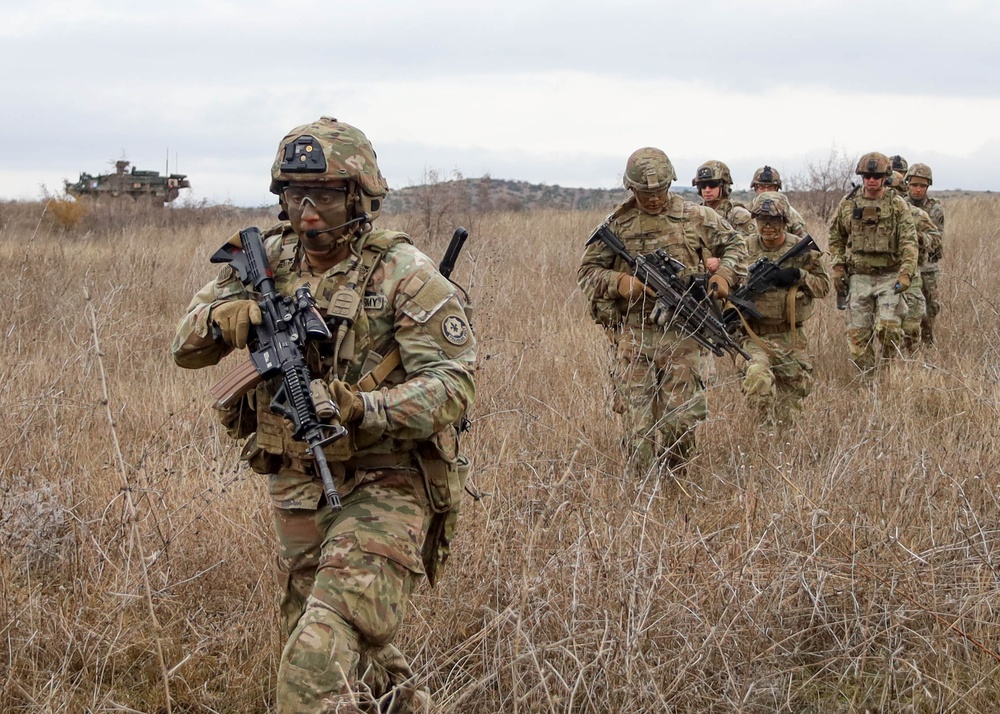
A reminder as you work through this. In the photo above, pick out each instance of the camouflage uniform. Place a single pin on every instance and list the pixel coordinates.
(656, 373)
(767, 178)
(874, 240)
(347, 576)
(930, 267)
(779, 376)
(735, 213)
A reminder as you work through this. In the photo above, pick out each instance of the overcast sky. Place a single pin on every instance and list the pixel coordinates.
(547, 92)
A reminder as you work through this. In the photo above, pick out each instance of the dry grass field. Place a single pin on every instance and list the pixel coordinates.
(849, 564)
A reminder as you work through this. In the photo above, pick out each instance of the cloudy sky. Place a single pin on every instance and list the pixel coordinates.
(554, 92)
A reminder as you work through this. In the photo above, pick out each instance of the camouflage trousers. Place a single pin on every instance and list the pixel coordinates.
(916, 312)
(929, 279)
(347, 578)
(778, 376)
(660, 395)
(874, 319)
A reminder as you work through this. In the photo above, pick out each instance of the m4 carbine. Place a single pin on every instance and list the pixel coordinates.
(277, 348)
(694, 312)
(760, 278)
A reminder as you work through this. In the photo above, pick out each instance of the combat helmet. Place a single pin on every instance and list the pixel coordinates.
(874, 163)
(330, 150)
(648, 169)
(897, 182)
(920, 171)
(714, 171)
(772, 204)
(898, 163)
(766, 176)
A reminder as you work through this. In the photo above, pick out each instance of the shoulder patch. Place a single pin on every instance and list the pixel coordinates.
(455, 330)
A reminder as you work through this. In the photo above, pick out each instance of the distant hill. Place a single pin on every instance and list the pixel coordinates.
(486, 194)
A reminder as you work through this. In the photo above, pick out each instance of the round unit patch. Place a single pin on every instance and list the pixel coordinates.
(455, 330)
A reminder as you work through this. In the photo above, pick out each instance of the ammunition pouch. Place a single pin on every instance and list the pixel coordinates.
(445, 472)
(239, 420)
(259, 460)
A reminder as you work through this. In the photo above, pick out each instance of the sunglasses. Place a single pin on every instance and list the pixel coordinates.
(709, 184)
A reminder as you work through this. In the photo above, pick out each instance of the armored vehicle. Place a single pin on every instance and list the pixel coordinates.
(134, 183)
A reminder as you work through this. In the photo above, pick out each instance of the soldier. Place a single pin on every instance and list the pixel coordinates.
(898, 163)
(657, 372)
(918, 179)
(929, 241)
(873, 244)
(768, 179)
(715, 184)
(402, 378)
(778, 376)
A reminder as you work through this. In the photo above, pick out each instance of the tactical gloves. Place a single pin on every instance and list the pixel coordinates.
(631, 288)
(719, 285)
(839, 274)
(660, 314)
(336, 398)
(234, 319)
(902, 283)
(786, 277)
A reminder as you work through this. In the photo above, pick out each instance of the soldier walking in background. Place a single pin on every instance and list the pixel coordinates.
(715, 184)
(928, 241)
(657, 372)
(779, 376)
(398, 376)
(873, 245)
(898, 163)
(918, 179)
(768, 179)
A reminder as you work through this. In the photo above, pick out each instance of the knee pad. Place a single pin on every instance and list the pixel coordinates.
(319, 660)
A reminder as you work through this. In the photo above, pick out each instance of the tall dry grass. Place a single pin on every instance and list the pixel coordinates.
(848, 564)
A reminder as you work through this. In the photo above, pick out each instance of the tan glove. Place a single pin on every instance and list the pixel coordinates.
(839, 274)
(902, 283)
(719, 285)
(631, 288)
(336, 398)
(234, 319)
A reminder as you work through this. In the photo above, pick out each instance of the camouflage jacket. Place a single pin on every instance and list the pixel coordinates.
(688, 232)
(928, 236)
(738, 217)
(406, 303)
(796, 224)
(814, 283)
(934, 209)
(874, 236)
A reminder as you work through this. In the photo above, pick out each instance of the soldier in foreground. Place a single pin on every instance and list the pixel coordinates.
(347, 574)
(779, 375)
(873, 246)
(657, 372)
(918, 179)
(768, 179)
(715, 184)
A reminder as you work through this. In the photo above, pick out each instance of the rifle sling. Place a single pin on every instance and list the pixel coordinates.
(376, 376)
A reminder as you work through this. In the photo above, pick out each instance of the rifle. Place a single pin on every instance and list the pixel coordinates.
(695, 313)
(451, 255)
(760, 277)
(277, 348)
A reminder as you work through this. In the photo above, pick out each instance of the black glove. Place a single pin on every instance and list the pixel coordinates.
(786, 277)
